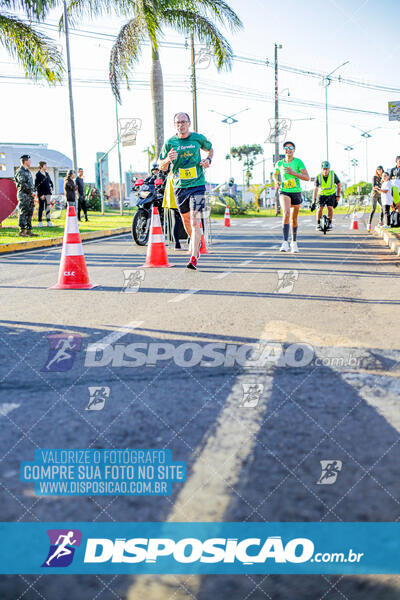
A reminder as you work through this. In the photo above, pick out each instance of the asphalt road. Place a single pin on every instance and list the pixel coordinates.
(326, 389)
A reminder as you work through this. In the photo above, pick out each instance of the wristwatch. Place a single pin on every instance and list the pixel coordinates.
(209, 159)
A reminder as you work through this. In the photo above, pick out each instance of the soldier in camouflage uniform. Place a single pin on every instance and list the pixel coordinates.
(25, 195)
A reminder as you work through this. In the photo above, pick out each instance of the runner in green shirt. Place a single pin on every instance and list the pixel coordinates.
(288, 173)
(183, 152)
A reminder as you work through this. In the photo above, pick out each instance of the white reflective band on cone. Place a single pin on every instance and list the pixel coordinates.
(156, 221)
(72, 225)
(72, 250)
(156, 238)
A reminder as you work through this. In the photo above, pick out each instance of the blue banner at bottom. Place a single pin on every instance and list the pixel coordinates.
(199, 548)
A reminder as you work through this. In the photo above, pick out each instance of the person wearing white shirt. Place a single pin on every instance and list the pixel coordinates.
(387, 197)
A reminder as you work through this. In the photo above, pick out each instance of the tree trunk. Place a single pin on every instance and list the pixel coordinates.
(157, 94)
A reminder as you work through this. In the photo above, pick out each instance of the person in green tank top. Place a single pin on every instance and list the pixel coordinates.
(288, 173)
(183, 152)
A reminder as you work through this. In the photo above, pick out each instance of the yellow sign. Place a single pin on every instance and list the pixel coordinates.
(188, 173)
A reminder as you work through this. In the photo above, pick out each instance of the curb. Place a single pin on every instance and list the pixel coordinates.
(390, 239)
(57, 241)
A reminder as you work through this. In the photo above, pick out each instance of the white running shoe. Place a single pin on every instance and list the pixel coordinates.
(50, 224)
(285, 247)
(40, 224)
(294, 247)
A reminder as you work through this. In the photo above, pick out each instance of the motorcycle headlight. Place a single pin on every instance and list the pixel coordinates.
(144, 194)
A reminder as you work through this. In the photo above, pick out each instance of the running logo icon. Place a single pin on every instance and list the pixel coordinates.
(98, 397)
(286, 281)
(330, 471)
(132, 280)
(63, 543)
(252, 393)
(62, 352)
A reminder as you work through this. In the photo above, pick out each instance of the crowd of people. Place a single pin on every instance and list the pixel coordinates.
(42, 189)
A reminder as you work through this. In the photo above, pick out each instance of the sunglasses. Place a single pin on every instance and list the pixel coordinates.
(289, 147)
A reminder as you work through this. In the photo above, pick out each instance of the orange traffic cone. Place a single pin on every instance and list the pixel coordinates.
(73, 274)
(227, 219)
(354, 222)
(156, 252)
(203, 247)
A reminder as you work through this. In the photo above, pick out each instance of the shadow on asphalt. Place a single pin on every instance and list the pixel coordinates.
(311, 414)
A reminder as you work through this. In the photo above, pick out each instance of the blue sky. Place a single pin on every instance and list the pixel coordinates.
(314, 35)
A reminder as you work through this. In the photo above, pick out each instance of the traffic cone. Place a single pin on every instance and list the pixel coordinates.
(73, 274)
(156, 252)
(227, 219)
(203, 247)
(354, 222)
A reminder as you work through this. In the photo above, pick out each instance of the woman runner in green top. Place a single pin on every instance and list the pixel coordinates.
(290, 170)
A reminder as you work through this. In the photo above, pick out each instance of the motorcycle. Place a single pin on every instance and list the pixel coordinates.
(150, 193)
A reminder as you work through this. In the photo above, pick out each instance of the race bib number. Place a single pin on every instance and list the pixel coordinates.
(289, 183)
(188, 173)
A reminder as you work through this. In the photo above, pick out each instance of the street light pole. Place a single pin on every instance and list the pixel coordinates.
(229, 120)
(366, 135)
(71, 101)
(121, 203)
(326, 82)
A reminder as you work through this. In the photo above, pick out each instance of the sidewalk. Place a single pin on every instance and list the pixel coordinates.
(391, 238)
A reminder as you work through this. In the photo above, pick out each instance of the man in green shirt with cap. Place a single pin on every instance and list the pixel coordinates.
(182, 151)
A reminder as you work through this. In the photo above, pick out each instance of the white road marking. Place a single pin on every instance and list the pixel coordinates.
(276, 226)
(113, 337)
(7, 407)
(246, 262)
(183, 296)
(222, 275)
(261, 253)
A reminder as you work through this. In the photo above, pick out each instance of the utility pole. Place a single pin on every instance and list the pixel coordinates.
(71, 101)
(194, 84)
(121, 203)
(276, 155)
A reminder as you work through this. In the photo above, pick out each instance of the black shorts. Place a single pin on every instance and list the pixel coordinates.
(295, 197)
(192, 198)
(327, 200)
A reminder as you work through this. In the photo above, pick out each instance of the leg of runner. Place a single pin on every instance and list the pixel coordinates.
(188, 227)
(319, 216)
(195, 240)
(285, 205)
(294, 211)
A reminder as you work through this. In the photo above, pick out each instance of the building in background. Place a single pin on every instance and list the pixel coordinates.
(57, 163)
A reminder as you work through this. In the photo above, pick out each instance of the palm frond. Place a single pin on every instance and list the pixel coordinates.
(78, 9)
(37, 9)
(186, 22)
(35, 52)
(125, 52)
(214, 9)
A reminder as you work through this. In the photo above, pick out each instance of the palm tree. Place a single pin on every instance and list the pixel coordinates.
(35, 52)
(149, 17)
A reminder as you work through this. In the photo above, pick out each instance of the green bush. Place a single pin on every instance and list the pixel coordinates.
(92, 197)
(219, 204)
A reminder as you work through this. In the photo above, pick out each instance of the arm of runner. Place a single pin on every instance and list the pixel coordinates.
(206, 162)
(302, 175)
(276, 179)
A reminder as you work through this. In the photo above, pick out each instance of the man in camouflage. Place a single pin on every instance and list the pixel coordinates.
(25, 195)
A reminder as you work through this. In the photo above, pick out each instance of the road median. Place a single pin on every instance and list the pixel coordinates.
(391, 239)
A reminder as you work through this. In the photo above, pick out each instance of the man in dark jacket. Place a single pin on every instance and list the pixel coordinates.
(44, 189)
(81, 195)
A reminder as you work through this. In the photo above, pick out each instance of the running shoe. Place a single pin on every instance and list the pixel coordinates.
(318, 227)
(50, 224)
(294, 247)
(192, 264)
(285, 247)
(40, 224)
(330, 227)
(369, 227)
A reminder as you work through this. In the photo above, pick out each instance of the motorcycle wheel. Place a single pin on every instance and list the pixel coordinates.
(140, 227)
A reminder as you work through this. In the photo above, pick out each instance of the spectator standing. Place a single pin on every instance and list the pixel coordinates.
(44, 189)
(70, 187)
(25, 195)
(387, 197)
(376, 196)
(82, 205)
(394, 174)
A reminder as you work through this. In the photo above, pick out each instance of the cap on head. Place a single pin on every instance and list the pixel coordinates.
(380, 167)
(24, 157)
(325, 164)
(289, 144)
(154, 166)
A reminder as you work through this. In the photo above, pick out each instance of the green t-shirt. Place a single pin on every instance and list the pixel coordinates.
(288, 182)
(186, 169)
